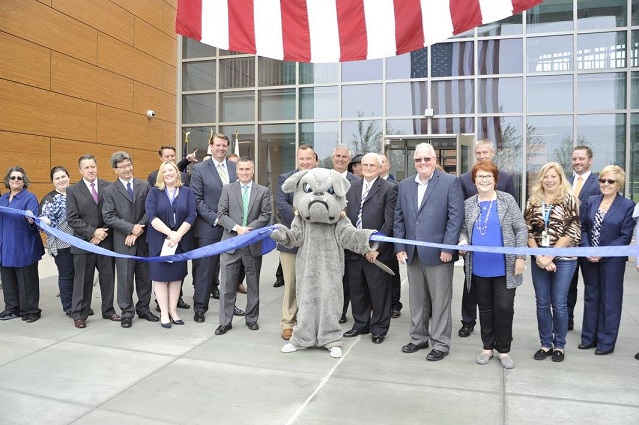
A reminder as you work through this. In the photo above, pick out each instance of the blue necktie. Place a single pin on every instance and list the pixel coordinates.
(130, 190)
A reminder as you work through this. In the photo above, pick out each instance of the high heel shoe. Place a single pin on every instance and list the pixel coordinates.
(166, 325)
(177, 322)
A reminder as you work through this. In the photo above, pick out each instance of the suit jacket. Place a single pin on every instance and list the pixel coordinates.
(84, 215)
(207, 188)
(121, 213)
(438, 219)
(504, 184)
(589, 188)
(616, 228)
(284, 205)
(378, 211)
(230, 211)
(351, 177)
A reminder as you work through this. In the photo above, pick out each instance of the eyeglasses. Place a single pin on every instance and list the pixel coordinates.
(484, 177)
(19, 178)
(609, 181)
(418, 160)
(124, 166)
(370, 165)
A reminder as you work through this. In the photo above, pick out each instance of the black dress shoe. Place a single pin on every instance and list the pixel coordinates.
(30, 318)
(412, 348)
(177, 322)
(395, 314)
(598, 352)
(278, 283)
(216, 292)
(198, 317)
(541, 354)
(353, 333)
(126, 322)
(343, 319)
(558, 356)
(149, 317)
(252, 326)
(166, 325)
(182, 304)
(436, 355)
(238, 312)
(583, 346)
(221, 330)
(465, 331)
(377, 339)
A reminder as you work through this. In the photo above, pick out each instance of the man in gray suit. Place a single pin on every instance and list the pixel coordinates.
(124, 211)
(244, 206)
(430, 208)
(207, 179)
(84, 216)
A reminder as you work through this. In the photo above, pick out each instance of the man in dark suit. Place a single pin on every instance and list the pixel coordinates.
(207, 179)
(584, 185)
(167, 153)
(484, 151)
(306, 160)
(244, 206)
(396, 285)
(430, 208)
(371, 205)
(84, 216)
(124, 211)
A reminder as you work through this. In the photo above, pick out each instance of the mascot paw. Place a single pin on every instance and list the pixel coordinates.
(279, 234)
(290, 348)
(335, 352)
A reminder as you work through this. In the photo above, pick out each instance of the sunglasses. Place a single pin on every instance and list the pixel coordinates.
(609, 181)
(418, 160)
(15, 178)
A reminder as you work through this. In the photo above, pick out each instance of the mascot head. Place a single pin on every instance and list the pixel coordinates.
(319, 194)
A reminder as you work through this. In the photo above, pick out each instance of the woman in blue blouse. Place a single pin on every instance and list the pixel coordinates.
(20, 250)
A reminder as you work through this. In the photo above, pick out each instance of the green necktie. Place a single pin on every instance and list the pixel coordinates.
(245, 205)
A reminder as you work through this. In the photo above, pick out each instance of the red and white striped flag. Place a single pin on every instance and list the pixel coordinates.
(335, 30)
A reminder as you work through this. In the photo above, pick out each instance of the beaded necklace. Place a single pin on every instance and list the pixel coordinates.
(483, 227)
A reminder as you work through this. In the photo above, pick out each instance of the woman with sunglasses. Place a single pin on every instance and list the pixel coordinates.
(606, 220)
(20, 250)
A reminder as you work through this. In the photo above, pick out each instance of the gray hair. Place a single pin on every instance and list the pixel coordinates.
(425, 147)
(486, 142)
(118, 157)
(377, 157)
(340, 146)
(18, 169)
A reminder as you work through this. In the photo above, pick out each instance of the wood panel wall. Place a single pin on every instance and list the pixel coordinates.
(77, 76)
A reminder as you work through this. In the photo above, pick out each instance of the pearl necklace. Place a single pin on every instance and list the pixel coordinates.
(482, 228)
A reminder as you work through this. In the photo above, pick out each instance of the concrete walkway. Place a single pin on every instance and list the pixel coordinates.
(52, 373)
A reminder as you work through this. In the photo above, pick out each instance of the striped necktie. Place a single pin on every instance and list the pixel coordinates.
(245, 204)
(578, 186)
(361, 205)
(223, 175)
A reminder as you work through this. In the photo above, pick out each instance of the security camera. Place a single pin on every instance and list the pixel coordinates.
(150, 113)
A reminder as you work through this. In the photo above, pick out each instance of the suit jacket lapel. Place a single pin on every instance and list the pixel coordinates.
(373, 190)
(215, 173)
(122, 189)
(429, 189)
(614, 207)
(85, 190)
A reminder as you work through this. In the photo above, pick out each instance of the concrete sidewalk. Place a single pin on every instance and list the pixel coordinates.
(53, 373)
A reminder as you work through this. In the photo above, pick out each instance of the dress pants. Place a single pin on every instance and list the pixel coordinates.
(289, 301)
(231, 265)
(572, 291)
(496, 311)
(21, 289)
(396, 285)
(64, 263)
(469, 305)
(127, 271)
(370, 289)
(85, 265)
(204, 278)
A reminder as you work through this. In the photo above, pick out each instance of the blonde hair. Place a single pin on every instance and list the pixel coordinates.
(159, 180)
(615, 169)
(538, 196)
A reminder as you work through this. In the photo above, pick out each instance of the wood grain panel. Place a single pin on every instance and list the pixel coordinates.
(25, 109)
(170, 12)
(169, 75)
(67, 152)
(28, 151)
(172, 3)
(147, 97)
(129, 61)
(155, 42)
(39, 189)
(43, 25)
(80, 79)
(146, 10)
(145, 162)
(47, 2)
(102, 15)
(168, 134)
(126, 129)
(24, 62)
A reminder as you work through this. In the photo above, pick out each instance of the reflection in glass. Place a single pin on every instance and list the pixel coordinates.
(366, 70)
(405, 126)
(552, 53)
(548, 138)
(245, 139)
(273, 72)
(497, 95)
(452, 59)
(237, 106)
(277, 104)
(195, 49)
(281, 143)
(511, 25)
(634, 49)
(594, 14)
(500, 56)
(601, 91)
(198, 75)
(318, 103)
(399, 67)
(601, 50)
(198, 139)
(606, 135)
(550, 16)
(635, 13)
(323, 136)
(319, 73)
(406, 99)
(363, 136)
(550, 93)
(237, 72)
(632, 174)
(452, 125)
(453, 97)
(362, 101)
(634, 90)
(198, 108)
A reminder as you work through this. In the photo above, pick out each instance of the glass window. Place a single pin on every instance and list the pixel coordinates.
(453, 97)
(281, 144)
(363, 100)
(550, 17)
(601, 50)
(406, 98)
(606, 135)
(453, 125)
(223, 52)
(635, 12)
(511, 25)
(500, 95)
(452, 59)
(500, 56)
(548, 138)
(245, 139)
(270, 164)
(277, 104)
(273, 72)
(363, 136)
(546, 54)
(323, 136)
(601, 92)
(401, 67)
(198, 108)
(319, 73)
(237, 106)
(198, 75)
(632, 175)
(634, 90)
(366, 70)
(634, 49)
(550, 93)
(416, 126)
(319, 103)
(593, 14)
(195, 49)
(198, 139)
(237, 73)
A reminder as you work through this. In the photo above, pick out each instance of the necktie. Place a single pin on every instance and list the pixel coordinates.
(580, 183)
(130, 190)
(245, 204)
(358, 224)
(94, 193)
(222, 172)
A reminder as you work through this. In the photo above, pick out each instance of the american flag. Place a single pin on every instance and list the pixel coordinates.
(335, 30)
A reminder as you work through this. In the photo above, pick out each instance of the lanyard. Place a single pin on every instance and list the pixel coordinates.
(546, 213)
(175, 193)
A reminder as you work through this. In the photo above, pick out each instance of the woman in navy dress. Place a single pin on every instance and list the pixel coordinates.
(171, 211)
